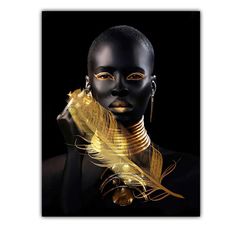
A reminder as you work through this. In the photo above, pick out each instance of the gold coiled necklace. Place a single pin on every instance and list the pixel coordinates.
(128, 141)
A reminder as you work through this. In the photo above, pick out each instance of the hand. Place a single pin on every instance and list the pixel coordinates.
(67, 127)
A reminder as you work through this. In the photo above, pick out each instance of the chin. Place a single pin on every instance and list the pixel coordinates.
(126, 118)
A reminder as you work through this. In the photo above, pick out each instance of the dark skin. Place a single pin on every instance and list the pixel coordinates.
(121, 74)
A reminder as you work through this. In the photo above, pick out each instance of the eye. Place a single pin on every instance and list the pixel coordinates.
(135, 76)
(104, 76)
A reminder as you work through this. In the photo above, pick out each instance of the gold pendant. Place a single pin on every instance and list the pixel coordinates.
(123, 196)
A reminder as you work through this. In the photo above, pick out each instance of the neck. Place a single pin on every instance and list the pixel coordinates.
(126, 141)
(128, 123)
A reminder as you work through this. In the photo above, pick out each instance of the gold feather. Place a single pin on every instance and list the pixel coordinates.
(156, 165)
(100, 128)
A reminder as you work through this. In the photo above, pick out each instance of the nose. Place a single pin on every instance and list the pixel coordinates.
(120, 92)
(120, 89)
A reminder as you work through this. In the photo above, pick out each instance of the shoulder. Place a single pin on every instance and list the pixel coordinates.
(183, 160)
(185, 178)
(187, 165)
(53, 167)
(52, 175)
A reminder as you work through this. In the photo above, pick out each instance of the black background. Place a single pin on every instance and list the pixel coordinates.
(66, 38)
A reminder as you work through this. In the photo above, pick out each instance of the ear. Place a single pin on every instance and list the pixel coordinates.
(153, 85)
(87, 83)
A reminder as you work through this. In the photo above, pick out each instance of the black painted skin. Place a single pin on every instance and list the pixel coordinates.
(121, 58)
(71, 181)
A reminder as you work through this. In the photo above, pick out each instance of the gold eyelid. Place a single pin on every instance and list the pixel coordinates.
(135, 73)
(98, 76)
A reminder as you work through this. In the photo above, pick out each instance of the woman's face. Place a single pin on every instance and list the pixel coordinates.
(120, 78)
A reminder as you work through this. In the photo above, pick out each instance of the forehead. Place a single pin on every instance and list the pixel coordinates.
(122, 56)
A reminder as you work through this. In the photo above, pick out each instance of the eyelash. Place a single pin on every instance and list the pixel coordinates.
(139, 76)
(102, 76)
(108, 76)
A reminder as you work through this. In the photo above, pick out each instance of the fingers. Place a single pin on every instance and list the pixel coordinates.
(67, 126)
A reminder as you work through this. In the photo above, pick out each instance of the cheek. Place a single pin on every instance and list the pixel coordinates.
(140, 96)
(101, 88)
(101, 91)
(141, 92)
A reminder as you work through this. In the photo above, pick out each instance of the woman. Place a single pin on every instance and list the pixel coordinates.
(111, 162)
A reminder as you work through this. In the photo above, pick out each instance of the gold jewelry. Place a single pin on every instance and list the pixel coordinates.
(104, 135)
(154, 86)
(128, 141)
(151, 110)
(123, 196)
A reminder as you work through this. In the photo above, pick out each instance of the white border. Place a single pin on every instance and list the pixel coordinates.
(20, 72)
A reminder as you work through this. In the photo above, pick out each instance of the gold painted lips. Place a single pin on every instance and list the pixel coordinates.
(120, 106)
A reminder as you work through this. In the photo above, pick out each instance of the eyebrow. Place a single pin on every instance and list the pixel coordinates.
(136, 69)
(112, 69)
(104, 69)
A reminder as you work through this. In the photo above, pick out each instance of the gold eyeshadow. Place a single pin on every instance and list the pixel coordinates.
(135, 76)
(104, 76)
(108, 76)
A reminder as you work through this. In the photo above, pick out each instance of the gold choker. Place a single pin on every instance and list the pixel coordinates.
(127, 142)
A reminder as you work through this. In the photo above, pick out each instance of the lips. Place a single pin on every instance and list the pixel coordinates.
(120, 106)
